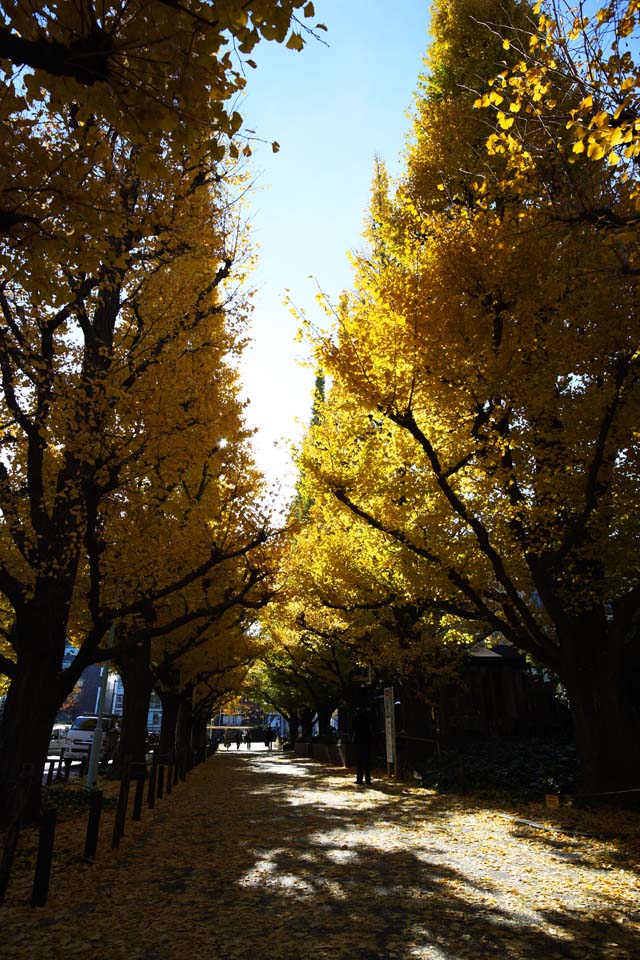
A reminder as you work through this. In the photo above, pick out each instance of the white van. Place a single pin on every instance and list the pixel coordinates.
(79, 737)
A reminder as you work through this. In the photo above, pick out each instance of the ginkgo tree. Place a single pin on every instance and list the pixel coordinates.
(157, 76)
(118, 236)
(207, 517)
(110, 350)
(342, 612)
(483, 415)
(193, 680)
(308, 665)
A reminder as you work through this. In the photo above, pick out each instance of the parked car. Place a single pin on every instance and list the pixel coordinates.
(77, 743)
(57, 739)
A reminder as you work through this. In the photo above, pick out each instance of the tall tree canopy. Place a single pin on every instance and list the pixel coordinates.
(119, 339)
(123, 450)
(482, 423)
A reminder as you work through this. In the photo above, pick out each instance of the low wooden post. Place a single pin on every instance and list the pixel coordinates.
(153, 779)
(44, 857)
(139, 775)
(160, 781)
(21, 788)
(9, 852)
(170, 767)
(93, 825)
(121, 809)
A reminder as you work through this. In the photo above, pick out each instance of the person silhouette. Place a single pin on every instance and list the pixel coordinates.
(362, 736)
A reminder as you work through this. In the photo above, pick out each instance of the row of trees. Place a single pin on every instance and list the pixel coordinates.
(474, 468)
(128, 495)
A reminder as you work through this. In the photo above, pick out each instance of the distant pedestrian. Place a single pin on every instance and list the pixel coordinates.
(362, 737)
(247, 738)
(227, 739)
(268, 738)
(238, 739)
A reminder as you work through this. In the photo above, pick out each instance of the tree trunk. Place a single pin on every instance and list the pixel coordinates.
(170, 701)
(137, 680)
(307, 716)
(184, 725)
(293, 722)
(325, 712)
(199, 731)
(606, 721)
(34, 698)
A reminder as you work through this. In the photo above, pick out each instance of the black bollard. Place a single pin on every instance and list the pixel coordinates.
(20, 792)
(44, 858)
(170, 775)
(153, 779)
(93, 825)
(121, 809)
(140, 775)
(160, 781)
(8, 853)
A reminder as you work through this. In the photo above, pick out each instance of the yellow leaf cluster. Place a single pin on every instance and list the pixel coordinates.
(578, 82)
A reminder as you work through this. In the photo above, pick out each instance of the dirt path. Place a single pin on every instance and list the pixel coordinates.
(262, 857)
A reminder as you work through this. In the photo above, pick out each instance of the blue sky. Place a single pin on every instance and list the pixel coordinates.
(332, 109)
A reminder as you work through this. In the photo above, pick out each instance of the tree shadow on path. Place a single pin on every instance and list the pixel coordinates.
(339, 872)
(266, 857)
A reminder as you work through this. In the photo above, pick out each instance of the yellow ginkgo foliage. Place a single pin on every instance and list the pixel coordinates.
(482, 421)
(142, 66)
(572, 88)
(118, 364)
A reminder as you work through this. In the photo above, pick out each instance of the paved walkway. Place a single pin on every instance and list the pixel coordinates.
(263, 857)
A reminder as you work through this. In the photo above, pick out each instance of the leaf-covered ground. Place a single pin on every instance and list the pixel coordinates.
(264, 857)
